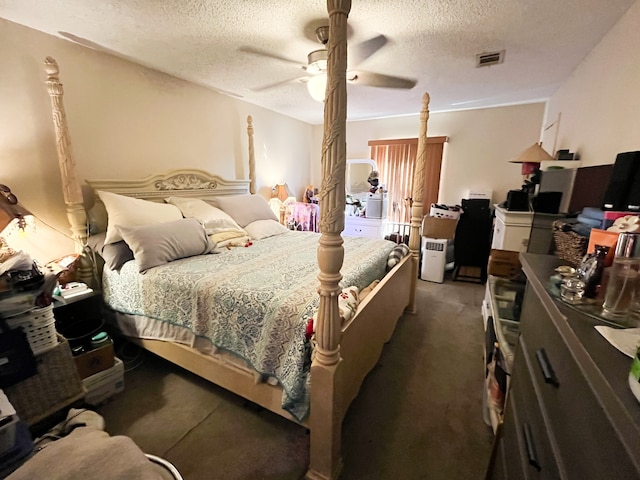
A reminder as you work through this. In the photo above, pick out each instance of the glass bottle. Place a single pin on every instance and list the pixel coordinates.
(622, 277)
(591, 270)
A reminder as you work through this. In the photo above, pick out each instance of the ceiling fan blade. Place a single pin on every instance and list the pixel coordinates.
(262, 53)
(379, 80)
(363, 50)
(277, 84)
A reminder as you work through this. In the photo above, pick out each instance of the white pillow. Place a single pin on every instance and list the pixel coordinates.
(245, 209)
(213, 219)
(133, 212)
(260, 229)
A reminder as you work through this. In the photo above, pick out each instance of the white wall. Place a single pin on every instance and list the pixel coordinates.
(481, 143)
(599, 105)
(126, 121)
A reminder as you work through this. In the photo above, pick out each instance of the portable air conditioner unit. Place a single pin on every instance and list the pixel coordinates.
(434, 259)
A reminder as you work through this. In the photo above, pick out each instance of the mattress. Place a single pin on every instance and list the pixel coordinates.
(253, 302)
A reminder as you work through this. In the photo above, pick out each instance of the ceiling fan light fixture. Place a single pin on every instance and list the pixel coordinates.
(317, 61)
(317, 87)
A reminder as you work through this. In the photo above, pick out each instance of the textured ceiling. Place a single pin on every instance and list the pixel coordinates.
(434, 42)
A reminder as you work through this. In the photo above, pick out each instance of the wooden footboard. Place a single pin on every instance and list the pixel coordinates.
(363, 338)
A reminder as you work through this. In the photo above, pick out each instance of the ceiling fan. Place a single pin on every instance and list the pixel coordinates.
(316, 67)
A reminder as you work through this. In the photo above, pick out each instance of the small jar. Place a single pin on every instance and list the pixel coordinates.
(100, 340)
(572, 289)
(623, 276)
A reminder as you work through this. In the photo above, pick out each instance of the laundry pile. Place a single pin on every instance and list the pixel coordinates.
(619, 222)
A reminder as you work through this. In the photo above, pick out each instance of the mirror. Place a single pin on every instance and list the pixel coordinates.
(356, 176)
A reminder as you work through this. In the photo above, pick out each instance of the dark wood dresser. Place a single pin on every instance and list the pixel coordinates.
(569, 411)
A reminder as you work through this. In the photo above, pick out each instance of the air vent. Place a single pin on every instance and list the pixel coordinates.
(490, 58)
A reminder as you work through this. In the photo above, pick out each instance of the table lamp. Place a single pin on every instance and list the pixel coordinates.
(13, 217)
(280, 197)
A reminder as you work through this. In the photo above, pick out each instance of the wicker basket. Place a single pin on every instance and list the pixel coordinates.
(40, 326)
(55, 386)
(570, 246)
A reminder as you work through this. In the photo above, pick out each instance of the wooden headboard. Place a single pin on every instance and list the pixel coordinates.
(174, 183)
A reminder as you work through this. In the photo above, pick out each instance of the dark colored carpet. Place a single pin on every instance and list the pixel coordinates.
(418, 415)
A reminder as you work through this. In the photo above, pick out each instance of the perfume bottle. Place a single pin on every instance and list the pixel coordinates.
(591, 270)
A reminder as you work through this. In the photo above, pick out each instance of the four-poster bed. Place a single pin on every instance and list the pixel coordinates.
(344, 353)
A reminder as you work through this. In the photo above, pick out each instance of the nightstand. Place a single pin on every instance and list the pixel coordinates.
(78, 321)
(78, 316)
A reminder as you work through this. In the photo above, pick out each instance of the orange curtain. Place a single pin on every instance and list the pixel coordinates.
(395, 164)
(396, 160)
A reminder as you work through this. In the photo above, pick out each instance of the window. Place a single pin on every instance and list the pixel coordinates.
(396, 160)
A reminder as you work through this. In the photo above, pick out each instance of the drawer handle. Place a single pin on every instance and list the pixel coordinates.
(547, 371)
(531, 448)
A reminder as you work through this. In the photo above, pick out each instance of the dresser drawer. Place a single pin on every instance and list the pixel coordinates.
(512, 461)
(498, 235)
(576, 419)
(536, 447)
(361, 231)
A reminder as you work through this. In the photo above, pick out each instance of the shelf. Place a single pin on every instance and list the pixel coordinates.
(504, 297)
(545, 165)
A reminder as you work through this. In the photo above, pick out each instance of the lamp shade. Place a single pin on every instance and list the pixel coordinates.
(534, 154)
(281, 192)
(317, 87)
(10, 210)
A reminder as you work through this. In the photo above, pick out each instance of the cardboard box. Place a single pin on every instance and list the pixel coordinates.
(104, 385)
(504, 263)
(437, 227)
(95, 361)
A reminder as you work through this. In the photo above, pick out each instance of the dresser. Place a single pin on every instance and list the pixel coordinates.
(569, 411)
(511, 230)
(363, 227)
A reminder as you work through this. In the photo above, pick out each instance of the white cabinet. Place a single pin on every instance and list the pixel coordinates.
(511, 230)
(363, 227)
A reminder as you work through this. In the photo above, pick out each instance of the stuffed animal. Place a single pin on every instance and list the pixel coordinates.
(374, 180)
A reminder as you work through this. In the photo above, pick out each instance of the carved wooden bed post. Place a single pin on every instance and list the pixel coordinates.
(417, 195)
(70, 187)
(252, 156)
(326, 415)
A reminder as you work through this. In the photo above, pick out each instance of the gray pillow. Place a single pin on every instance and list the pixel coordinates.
(160, 243)
(115, 255)
(244, 209)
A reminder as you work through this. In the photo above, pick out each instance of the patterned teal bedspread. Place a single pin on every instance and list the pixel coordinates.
(253, 302)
